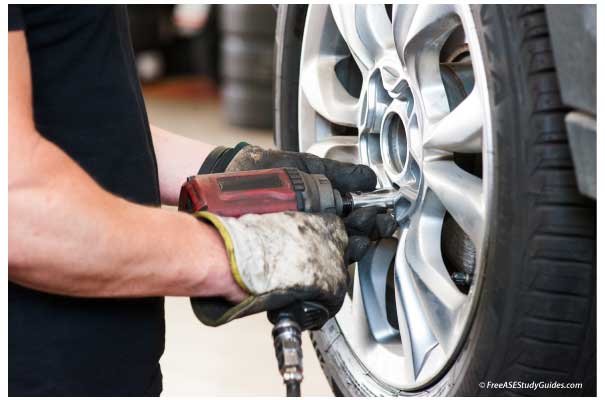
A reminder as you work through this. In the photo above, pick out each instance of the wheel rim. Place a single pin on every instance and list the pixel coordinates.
(409, 309)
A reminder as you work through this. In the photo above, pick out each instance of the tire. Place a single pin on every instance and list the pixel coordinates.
(247, 60)
(288, 41)
(246, 64)
(248, 19)
(536, 316)
(247, 105)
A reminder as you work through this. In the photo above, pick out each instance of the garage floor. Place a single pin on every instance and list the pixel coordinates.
(237, 359)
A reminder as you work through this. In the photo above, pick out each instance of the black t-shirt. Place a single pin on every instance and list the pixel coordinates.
(87, 100)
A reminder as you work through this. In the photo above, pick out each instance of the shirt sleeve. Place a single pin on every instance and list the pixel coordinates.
(15, 18)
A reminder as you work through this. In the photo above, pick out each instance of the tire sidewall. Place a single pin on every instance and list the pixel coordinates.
(288, 43)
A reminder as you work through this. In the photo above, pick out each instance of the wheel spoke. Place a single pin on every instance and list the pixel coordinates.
(343, 148)
(366, 29)
(403, 15)
(325, 93)
(417, 338)
(423, 343)
(426, 23)
(373, 272)
(431, 20)
(386, 357)
(425, 258)
(441, 300)
(358, 311)
(419, 33)
(460, 193)
(460, 130)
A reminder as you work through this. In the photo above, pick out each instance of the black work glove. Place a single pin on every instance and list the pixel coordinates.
(345, 177)
(365, 226)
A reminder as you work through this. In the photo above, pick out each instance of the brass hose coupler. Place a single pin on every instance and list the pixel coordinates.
(288, 351)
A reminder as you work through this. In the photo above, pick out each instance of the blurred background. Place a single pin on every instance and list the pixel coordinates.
(228, 47)
(207, 73)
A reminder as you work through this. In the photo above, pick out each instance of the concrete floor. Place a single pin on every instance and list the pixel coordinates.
(238, 358)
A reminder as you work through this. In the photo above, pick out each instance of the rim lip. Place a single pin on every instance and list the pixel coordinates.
(467, 20)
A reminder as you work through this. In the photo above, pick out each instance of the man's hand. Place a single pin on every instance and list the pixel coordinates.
(278, 259)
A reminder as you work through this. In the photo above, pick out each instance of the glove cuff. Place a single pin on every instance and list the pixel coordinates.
(215, 311)
(219, 158)
(222, 230)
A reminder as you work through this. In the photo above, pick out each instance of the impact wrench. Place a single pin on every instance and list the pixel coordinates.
(277, 190)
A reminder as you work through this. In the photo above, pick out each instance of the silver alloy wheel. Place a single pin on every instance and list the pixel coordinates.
(401, 123)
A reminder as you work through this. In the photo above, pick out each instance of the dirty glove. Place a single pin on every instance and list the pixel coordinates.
(278, 259)
(345, 177)
(365, 226)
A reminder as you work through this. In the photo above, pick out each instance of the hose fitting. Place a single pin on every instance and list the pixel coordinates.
(288, 351)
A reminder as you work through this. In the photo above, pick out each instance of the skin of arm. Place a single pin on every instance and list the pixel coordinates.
(66, 235)
(178, 158)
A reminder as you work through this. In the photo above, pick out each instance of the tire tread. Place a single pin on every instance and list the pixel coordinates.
(556, 308)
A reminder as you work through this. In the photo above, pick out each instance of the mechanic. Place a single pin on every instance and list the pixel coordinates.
(90, 252)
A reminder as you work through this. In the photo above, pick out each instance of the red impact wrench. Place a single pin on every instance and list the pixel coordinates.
(276, 190)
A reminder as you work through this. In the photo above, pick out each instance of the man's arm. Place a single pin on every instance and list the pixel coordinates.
(178, 158)
(67, 235)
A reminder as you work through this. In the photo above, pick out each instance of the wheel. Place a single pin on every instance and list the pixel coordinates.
(491, 276)
(246, 64)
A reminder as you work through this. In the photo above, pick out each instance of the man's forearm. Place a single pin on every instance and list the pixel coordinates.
(178, 158)
(69, 236)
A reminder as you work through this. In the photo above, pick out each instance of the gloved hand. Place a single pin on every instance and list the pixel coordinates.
(365, 226)
(284, 257)
(345, 177)
(278, 259)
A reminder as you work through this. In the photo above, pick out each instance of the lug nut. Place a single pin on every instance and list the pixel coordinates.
(462, 279)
